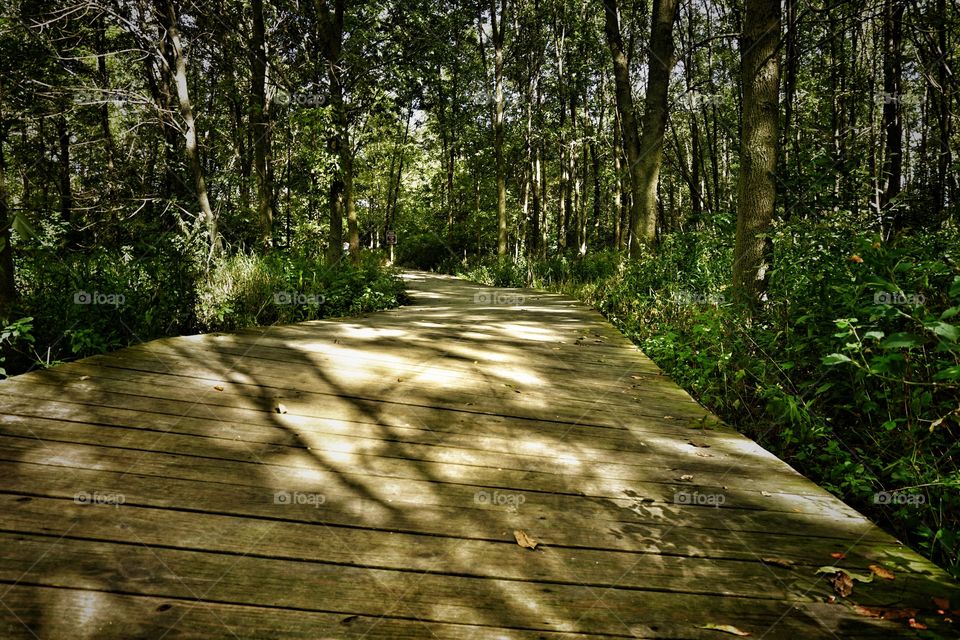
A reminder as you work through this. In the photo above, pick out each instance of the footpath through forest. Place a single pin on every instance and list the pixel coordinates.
(483, 463)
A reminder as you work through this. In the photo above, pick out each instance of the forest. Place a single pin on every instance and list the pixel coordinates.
(762, 195)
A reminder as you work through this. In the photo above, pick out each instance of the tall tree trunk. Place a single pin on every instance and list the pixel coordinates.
(260, 124)
(628, 124)
(341, 187)
(892, 112)
(63, 182)
(659, 66)
(756, 188)
(498, 25)
(178, 68)
(8, 289)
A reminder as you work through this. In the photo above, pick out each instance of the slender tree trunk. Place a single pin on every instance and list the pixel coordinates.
(892, 112)
(8, 289)
(756, 189)
(498, 25)
(660, 64)
(260, 124)
(178, 67)
(628, 124)
(63, 182)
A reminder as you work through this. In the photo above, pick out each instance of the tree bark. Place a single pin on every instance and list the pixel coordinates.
(659, 65)
(892, 112)
(178, 69)
(628, 124)
(8, 289)
(498, 26)
(260, 124)
(756, 187)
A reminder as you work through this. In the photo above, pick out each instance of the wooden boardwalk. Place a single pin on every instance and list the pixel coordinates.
(364, 478)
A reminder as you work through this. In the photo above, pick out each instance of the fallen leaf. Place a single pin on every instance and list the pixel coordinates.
(882, 572)
(668, 417)
(218, 388)
(836, 555)
(524, 540)
(912, 622)
(726, 628)
(884, 613)
(84, 377)
(942, 603)
(842, 584)
(685, 477)
(859, 577)
(778, 562)
(280, 408)
(766, 494)
(856, 258)
(698, 443)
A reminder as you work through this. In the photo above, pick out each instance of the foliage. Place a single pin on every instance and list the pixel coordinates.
(838, 373)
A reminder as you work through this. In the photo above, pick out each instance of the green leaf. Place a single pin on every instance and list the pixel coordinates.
(901, 341)
(950, 373)
(873, 335)
(949, 313)
(835, 359)
(955, 288)
(944, 330)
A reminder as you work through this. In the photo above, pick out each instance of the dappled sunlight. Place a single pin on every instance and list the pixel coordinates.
(388, 464)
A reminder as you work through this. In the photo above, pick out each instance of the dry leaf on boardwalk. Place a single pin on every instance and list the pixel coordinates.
(726, 628)
(836, 555)
(882, 572)
(280, 408)
(778, 562)
(524, 540)
(218, 388)
(842, 583)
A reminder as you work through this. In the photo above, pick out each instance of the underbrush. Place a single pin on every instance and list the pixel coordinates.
(75, 304)
(850, 371)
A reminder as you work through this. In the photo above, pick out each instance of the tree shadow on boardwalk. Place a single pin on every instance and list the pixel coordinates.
(364, 478)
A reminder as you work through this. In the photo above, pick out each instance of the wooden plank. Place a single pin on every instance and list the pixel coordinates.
(461, 516)
(255, 580)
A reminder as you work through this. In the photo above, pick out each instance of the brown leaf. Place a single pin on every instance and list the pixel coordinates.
(912, 622)
(856, 258)
(524, 540)
(84, 377)
(778, 562)
(842, 584)
(726, 628)
(686, 478)
(884, 613)
(836, 555)
(942, 603)
(882, 572)
(218, 388)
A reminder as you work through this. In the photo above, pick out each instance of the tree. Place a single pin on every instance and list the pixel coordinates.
(659, 66)
(260, 124)
(756, 187)
(628, 125)
(177, 66)
(498, 25)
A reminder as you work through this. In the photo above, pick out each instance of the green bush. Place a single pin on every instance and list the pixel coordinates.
(83, 303)
(850, 371)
